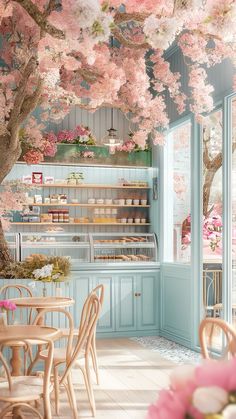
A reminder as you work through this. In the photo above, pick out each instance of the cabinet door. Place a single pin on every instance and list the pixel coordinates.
(106, 321)
(126, 302)
(148, 301)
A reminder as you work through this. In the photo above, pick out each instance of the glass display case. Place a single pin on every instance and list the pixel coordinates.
(76, 246)
(120, 247)
(93, 247)
(13, 244)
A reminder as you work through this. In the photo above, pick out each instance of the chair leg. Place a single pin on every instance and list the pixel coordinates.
(87, 379)
(47, 406)
(56, 389)
(72, 396)
(95, 361)
(10, 408)
(33, 363)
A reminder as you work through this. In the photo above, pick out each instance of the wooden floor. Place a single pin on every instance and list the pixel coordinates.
(131, 377)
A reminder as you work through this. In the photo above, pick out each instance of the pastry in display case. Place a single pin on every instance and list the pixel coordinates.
(92, 247)
(120, 247)
(76, 247)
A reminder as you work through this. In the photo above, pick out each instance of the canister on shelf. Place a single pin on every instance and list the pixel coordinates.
(66, 218)
(55, 216)
(60, 216)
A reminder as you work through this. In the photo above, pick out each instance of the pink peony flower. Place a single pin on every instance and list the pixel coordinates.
(33, 157)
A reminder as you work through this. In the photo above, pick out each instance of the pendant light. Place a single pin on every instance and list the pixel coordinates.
(111, 139)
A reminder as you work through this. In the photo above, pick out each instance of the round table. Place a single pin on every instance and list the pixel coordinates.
(39, 304)
(25, 332)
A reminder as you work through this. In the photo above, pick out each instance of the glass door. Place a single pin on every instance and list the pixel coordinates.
(212, 215)
(233, 207)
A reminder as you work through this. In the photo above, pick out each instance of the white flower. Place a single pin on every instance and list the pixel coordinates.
(230, 412)
(87, 11)
(209, 400)
(101, 29)
(160, 32)
(44, 272)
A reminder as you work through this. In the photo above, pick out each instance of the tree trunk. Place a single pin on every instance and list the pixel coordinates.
(8, 157)
(5, 255)
(209, 177)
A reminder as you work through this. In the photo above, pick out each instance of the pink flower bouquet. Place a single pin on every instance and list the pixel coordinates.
(7, 305)
(206, 391)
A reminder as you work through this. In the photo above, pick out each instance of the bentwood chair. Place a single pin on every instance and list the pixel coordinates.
(19, 392)
(21, 291)
(215, 335)
(38, 356)
(79, 357)
(99, 291)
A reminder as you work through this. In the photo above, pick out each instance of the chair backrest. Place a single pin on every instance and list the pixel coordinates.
(40, 317)
(224, 336)
(22, 291)
(88, 323)
(48, 359)
(99, 292)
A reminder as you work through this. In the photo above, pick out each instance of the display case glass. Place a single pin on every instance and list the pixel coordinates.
(76, 246)
(93, 247)
(13, 244)
(120, 247)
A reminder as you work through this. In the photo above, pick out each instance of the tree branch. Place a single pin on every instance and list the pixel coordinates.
(39, 18)
(127, 17)
(126, 42)
(20, 95)
(30, 102)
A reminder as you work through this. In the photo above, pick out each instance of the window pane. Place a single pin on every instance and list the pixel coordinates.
(212, 215)
(234, 211)
(177, 212)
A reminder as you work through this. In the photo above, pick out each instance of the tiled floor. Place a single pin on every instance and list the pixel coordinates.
(131, 377)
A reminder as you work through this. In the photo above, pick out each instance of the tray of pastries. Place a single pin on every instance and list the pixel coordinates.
(123, 240)
(123, 258)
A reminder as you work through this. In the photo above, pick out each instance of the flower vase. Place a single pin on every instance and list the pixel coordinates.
(44, 290)
(3, 320)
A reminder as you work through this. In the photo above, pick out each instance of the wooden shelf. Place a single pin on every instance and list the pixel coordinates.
(88, 224)
(87, 186)
(88, 205)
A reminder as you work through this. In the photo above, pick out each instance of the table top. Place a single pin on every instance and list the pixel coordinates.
(23, 331)
(43, 302)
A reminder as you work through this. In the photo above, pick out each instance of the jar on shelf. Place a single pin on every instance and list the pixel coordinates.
(55, 216)
(60, 216)
(66, 218)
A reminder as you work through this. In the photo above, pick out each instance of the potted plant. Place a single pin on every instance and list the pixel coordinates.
(39, 268)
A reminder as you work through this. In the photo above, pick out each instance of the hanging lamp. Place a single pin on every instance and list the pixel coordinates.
(111, 140)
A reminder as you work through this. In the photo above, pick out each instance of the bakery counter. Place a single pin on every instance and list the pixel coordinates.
(93, 248)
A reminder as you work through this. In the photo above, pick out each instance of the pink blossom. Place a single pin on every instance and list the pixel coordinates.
(33, 157)
(7, 305)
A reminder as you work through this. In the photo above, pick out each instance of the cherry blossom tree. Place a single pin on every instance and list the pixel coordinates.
(57, 53)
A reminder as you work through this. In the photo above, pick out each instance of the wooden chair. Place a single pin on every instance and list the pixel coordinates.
(99, 291)
(38, 356)
(80, 352)
(22, 291)
(21, 391)
(227, 339)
